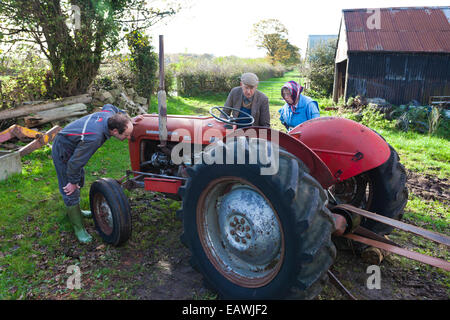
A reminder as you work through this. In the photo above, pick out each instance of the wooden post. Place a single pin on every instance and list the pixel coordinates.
(336, 84)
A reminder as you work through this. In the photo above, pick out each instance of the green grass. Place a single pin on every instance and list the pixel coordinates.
(420, 152)
(32, 214)
(37, 243)
(427, 154)
(428, 214)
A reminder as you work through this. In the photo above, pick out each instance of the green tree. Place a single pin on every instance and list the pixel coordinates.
(74, 49)
(286, 53)
(271, 35)
(320, 68)
(143, 62)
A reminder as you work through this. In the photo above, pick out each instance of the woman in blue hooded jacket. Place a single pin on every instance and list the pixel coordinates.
(298, 108)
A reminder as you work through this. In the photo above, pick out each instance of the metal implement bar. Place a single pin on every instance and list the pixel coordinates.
(40, 141)
(155, 175)
(16, 131)
(363, 232)
(19, 132)
(435, 262)
(340, 286)
(434, 236)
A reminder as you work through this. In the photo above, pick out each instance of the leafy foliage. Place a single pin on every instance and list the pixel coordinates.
(423, 119)
(371, 117)
(27, 83)
(143, 63)
(74, 50)
(218, 75)
(271, 35)
(404, 118)
(320, 69)
(434, 119)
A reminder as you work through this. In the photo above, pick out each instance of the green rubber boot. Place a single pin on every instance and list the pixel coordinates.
(75, 216)
(86, 213)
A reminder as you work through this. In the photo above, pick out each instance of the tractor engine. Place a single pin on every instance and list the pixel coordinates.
(154, 160)
(188, 134)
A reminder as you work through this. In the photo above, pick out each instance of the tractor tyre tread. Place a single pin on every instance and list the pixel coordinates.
(306, 204)
(118, 202)
(390, 192)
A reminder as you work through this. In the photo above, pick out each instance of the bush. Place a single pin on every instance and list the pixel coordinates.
(116, 72)
(371, 117)
(421, 119)
(206, 74)
(320, 70)
(28, 84)
(143, 63)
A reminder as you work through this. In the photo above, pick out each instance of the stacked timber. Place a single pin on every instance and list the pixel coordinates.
(35, 114)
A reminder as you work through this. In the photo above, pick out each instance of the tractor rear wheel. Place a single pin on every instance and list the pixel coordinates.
(381, 190)
(255, 236)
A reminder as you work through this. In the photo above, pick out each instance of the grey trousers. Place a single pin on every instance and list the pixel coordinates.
(61, 155)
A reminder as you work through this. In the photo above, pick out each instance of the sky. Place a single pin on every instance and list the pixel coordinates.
(223, 27)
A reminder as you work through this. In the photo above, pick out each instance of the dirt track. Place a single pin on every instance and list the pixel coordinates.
(429, 187)
(154, 265)
(401, 279)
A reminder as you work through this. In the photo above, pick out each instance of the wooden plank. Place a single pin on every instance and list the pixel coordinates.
(46, 116)
(26, 110)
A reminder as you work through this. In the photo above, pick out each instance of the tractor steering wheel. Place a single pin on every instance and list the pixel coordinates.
(231, 120)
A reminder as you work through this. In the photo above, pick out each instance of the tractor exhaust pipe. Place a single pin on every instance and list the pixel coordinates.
(162, 106)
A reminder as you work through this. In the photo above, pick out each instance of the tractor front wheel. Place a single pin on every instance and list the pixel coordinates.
(111, 211)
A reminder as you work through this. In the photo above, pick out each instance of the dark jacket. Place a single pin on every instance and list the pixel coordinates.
(260, 106)
(80, 139)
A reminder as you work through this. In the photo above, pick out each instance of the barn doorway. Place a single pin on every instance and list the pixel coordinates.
(340, 75)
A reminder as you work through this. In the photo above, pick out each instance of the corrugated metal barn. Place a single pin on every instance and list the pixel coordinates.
(399, 54)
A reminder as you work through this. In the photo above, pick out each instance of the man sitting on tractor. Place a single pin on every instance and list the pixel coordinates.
(248, 99)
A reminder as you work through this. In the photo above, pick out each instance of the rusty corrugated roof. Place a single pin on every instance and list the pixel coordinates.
(414, 29)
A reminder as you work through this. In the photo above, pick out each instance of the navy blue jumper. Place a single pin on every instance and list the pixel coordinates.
(75, 145)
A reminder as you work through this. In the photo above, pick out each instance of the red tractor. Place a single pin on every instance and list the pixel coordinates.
(259, 206)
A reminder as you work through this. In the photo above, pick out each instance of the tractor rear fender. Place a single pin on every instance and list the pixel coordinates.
(348, 148)
(318, 169)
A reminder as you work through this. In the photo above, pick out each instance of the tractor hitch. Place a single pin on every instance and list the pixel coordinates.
(152, 182)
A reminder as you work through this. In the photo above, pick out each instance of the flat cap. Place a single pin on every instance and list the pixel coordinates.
(249, 79)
